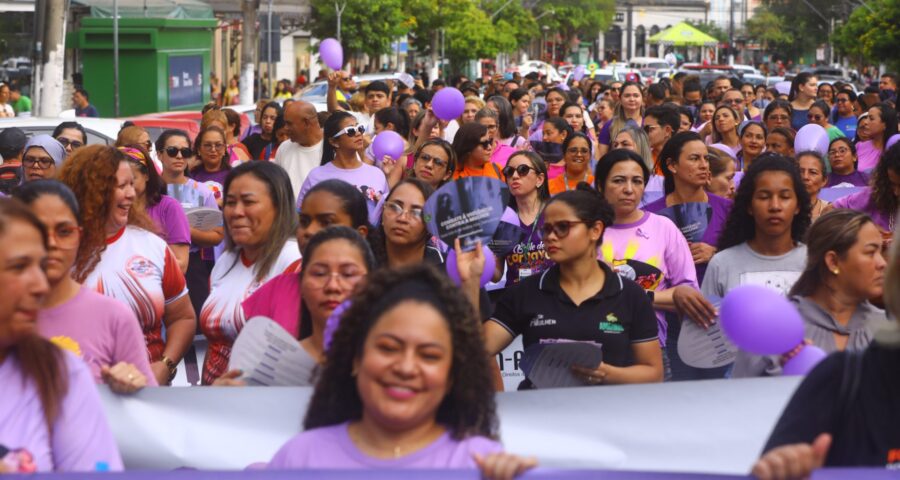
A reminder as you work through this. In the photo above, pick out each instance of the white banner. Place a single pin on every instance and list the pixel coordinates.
(713, 426)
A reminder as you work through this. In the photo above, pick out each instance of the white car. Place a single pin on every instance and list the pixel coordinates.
(543, 68)
(99, 130)
(745, 69)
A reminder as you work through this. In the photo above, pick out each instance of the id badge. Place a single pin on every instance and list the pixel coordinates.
(525, 273)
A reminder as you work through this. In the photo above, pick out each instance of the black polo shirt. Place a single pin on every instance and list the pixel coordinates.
(619, 315)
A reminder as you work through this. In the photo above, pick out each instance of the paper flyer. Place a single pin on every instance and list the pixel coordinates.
(548, 365)
(268, 355)
(204, 218)
(691, 218)
(705, 348)
(469, 209)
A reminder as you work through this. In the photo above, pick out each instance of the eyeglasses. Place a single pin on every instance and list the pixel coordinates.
(351, 131)
(486, 144)
(213, 146)
(425, 158)
(346, 79)
(174, 151)
(522, 170)
(396, 210)
(69, 143)
(319, 278)
(65, 237)
(779, 118)
(491, 127)
(577, 151)
(839, 151)
(649, 128)
(814, 117)
(733, 101)
(41, 162)
(560, 228)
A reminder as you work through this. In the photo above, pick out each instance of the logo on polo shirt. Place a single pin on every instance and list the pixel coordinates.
(611, 324)
(540, 321)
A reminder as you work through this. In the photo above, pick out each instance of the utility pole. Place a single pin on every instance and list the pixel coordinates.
(731, 32)
(115, 58)
(629, 28)
(249, 46)
(269, 49)
(51, 54)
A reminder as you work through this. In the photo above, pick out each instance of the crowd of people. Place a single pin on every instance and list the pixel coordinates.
(640, 207)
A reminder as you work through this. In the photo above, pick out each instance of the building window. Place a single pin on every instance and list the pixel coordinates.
(640, 41)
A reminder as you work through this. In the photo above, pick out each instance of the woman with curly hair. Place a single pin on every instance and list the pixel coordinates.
(119, 255)
(880, 199)
(761, 241)
(406, 384)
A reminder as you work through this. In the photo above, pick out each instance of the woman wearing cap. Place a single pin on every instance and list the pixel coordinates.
(42, 156)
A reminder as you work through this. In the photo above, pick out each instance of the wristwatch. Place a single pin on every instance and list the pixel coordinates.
(172, 366)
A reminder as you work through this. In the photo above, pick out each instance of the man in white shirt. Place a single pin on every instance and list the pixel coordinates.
(303, 151)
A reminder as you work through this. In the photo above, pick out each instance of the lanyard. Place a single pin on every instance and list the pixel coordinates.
(528, 241)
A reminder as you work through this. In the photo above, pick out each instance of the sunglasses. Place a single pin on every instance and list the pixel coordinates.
(69, 143)
(814, 118)
(174, 151)
(560, 229)
(351, 131)
(486, 144)
(425, 158)
(522, 170)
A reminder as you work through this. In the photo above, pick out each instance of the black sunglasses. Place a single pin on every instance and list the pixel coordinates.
(174, 151)
(66, 142)
(486, 144)
(560, 228)
(522, 170)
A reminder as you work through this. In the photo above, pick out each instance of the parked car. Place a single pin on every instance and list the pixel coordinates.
(99, 130)
(542, 68)
(15, 68)
(156, 125)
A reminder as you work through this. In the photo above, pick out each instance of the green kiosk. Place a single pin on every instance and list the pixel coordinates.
(164, 63)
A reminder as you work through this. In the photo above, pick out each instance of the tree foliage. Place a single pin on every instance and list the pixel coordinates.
(806, 29)
(872, 36)
(366, 26)
(768, 29)
(585, 19)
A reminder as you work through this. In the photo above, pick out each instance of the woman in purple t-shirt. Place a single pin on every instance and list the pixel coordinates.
(52, 417)
(685, 165)
(102, 331)
(214, 166)
(407, 359)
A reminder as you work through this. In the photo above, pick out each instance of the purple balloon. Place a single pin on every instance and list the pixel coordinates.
(333, 322)
(891, 141)
(388, 143)
(332, 53)
(759, 320)
(489, 262)
(812, 137)
(578, 74)
(805, 360)
(448, 103)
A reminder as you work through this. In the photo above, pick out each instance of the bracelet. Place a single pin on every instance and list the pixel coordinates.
(172, 366)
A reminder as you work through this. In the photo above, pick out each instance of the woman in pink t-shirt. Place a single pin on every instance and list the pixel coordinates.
(99, 329)
(406, 385)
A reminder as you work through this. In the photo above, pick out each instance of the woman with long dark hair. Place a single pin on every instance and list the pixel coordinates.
(686, 175)
(49, 400)
(881, 126)
(882, 197)
(762, 240)
(842, 158)
(629, 109)
(804, 89)
(341, 159)
(844, 269)
(262, 145)
(526, 177)
(474, 146)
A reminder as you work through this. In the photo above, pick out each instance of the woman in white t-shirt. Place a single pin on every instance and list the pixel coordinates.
(260, 223)
(120, 257)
